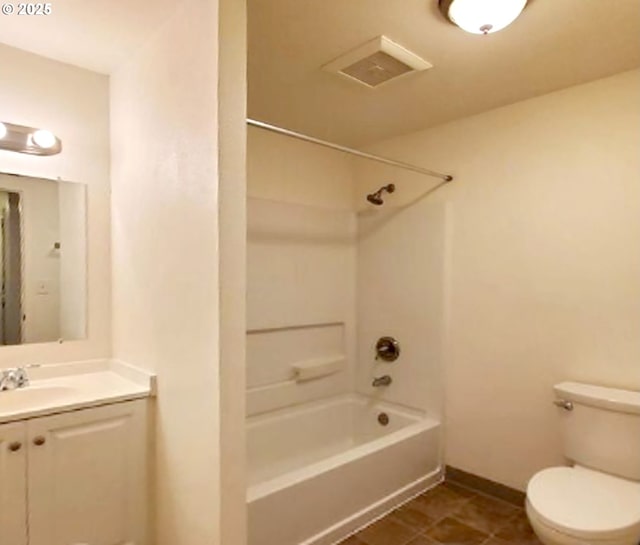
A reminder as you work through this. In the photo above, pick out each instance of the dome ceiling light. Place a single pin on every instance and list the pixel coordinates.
(482, 16)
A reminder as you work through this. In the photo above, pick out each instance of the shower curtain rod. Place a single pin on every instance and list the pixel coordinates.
(358, 153)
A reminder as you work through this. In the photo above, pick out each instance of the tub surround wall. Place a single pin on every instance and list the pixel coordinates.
(401, 293)
(165, 225)
(543, 266)
(300, 272)
(74, 104)
(283, 169)
(315, 246)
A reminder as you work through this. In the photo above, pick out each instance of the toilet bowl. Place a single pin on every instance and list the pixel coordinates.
(597, 500)
(576, 506)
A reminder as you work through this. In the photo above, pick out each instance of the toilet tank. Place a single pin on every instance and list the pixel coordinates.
(602, 431)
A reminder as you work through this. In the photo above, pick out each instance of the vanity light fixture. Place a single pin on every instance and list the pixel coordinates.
(482, 16)
(31, 140)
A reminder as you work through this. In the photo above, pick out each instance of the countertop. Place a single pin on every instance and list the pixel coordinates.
(66, 387)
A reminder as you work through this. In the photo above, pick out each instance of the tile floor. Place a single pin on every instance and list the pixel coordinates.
(450, 515)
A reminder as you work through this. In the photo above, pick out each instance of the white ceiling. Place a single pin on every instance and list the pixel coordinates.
(93, 34)
(554, 44)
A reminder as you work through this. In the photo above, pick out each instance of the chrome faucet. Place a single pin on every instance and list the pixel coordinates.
(384, 380)
(15, 377)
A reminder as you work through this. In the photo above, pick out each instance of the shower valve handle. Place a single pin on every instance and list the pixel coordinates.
(387, 349)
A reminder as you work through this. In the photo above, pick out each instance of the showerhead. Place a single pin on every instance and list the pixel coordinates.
(376, 197)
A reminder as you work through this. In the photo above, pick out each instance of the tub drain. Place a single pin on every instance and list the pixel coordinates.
(383, 419)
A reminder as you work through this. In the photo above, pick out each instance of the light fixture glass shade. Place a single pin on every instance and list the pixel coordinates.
(43, 138)
(3, 130)
(484, 16)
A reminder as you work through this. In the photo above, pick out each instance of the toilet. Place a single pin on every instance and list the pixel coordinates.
(597, 499)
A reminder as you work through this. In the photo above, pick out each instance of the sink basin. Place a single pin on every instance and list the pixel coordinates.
(33, 397)
(60, 388)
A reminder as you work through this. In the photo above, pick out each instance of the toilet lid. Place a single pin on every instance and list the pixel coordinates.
(585, 503)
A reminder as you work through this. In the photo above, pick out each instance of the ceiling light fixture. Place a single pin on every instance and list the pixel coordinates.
(482, 16)
(31, 140)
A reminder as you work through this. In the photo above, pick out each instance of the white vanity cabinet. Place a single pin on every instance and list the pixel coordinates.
(79, 478)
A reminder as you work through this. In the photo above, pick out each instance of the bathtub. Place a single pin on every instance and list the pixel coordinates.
(319, 471)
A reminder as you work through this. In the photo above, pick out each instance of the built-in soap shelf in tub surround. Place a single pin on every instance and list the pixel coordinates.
(294, 364)
(318, 368)
(311, 379)
(272, 352)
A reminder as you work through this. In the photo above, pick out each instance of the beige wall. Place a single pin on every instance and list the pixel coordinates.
(165, 258)
(74, 104)
(542, 261)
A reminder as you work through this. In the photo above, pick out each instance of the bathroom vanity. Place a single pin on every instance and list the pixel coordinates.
(73, 456)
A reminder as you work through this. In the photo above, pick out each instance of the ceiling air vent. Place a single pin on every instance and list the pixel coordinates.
(376, 62)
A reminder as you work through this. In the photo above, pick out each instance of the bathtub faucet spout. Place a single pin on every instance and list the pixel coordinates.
(384, 380)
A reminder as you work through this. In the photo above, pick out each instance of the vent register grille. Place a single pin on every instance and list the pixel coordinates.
(376, 69)
(377, 62)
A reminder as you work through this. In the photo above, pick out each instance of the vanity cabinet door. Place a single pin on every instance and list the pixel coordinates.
(87, 476)
(13, 485)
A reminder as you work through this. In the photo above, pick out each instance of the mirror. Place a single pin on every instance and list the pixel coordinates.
(43, 246)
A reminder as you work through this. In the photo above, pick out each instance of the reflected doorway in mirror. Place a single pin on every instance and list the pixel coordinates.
(44, 260)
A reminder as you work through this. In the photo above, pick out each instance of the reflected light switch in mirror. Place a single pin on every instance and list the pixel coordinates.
(43, 288)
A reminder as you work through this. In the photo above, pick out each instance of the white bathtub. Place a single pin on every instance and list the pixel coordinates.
(321, 470)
